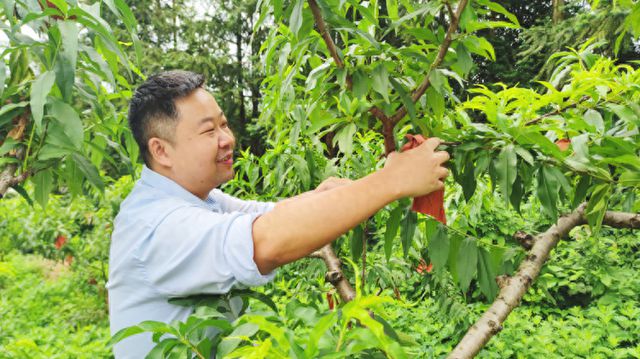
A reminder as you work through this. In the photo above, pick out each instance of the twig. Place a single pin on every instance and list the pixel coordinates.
(512, 289)
(331, 46)
(557, 111)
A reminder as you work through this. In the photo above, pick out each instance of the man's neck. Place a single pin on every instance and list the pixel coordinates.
(170, 174)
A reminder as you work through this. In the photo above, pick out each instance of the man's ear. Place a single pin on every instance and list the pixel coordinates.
(159, 150)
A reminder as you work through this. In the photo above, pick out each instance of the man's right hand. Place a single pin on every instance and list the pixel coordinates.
(417, 171)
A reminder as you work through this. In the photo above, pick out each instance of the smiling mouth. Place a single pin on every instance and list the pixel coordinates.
(226, 159)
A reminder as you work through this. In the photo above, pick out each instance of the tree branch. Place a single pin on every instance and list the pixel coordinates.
(512, 289)
(322, 29)
(334, 274)
(7, 176)
(622, 220)
(557, 112)
(444, 47)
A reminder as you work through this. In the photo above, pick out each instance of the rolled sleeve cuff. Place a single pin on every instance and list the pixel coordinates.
(240, 252)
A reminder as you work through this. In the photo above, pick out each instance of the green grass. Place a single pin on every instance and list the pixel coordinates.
(49, 311)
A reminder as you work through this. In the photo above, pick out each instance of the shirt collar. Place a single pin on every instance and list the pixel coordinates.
(170, 187)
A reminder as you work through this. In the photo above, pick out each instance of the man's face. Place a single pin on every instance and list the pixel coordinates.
(201, 152)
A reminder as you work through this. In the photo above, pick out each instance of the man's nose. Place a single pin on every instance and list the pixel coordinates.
(226, 139)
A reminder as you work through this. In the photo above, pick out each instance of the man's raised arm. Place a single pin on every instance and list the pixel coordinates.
(297, 227)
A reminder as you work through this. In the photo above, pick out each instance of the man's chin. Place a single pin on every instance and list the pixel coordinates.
(226, 177)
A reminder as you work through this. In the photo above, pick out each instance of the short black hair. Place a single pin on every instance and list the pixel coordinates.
(152, 110)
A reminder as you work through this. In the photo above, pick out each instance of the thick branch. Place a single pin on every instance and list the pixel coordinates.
(444, 47)
(334, 274)
(512, 289)
(622, 220)
(7, 178)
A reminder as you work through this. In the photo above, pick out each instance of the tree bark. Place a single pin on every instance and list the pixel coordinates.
(512, 289)
(8, 177)
(334, 274)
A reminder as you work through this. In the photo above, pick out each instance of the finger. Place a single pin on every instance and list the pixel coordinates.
(431, 143)
(442, 172)
(442, 156)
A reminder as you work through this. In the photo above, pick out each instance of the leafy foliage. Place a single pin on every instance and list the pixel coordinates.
(59, 72)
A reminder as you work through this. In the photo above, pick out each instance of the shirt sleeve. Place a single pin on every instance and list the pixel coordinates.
(231, 204)
(196, 251)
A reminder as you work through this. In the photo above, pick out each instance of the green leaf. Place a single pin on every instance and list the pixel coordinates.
(40, 88)
(597, 205)
(625, 113)
(311, 166)
(125, 333)
(580, 192)
(12, 106)
(68, 119)
(89, 170)
(319, 121)
(360, 84)
(43, 184)
(357, 242)
(67, 58)
(319, 330)
(3, 76)
(436, 102)
(437, 80)
(630, 178)
(228, 344)
(466, 262)
(439, 247)
(7, 146)
(486, 275)
(380, 82)
(464, 62)
(506, 171)
(469, 182)
(393, 223)
(517, 193)
(392, 9)
(146, 326)
(295, 21)
(408, 230)
(548, 192)
(593, 118)
(344, 138)
(73, 176)
(404, 97)
(454, 247)
(561, 179)
(495, 7)
(535, 138)
(21, 191)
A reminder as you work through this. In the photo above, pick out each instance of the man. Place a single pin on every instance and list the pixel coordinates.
(176, 235)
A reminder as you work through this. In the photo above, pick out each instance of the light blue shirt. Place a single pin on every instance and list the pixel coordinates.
(169, 243)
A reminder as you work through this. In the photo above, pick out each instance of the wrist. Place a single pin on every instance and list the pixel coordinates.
(391, 186)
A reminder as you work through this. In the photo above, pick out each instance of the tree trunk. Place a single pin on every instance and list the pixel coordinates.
(557, 11)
